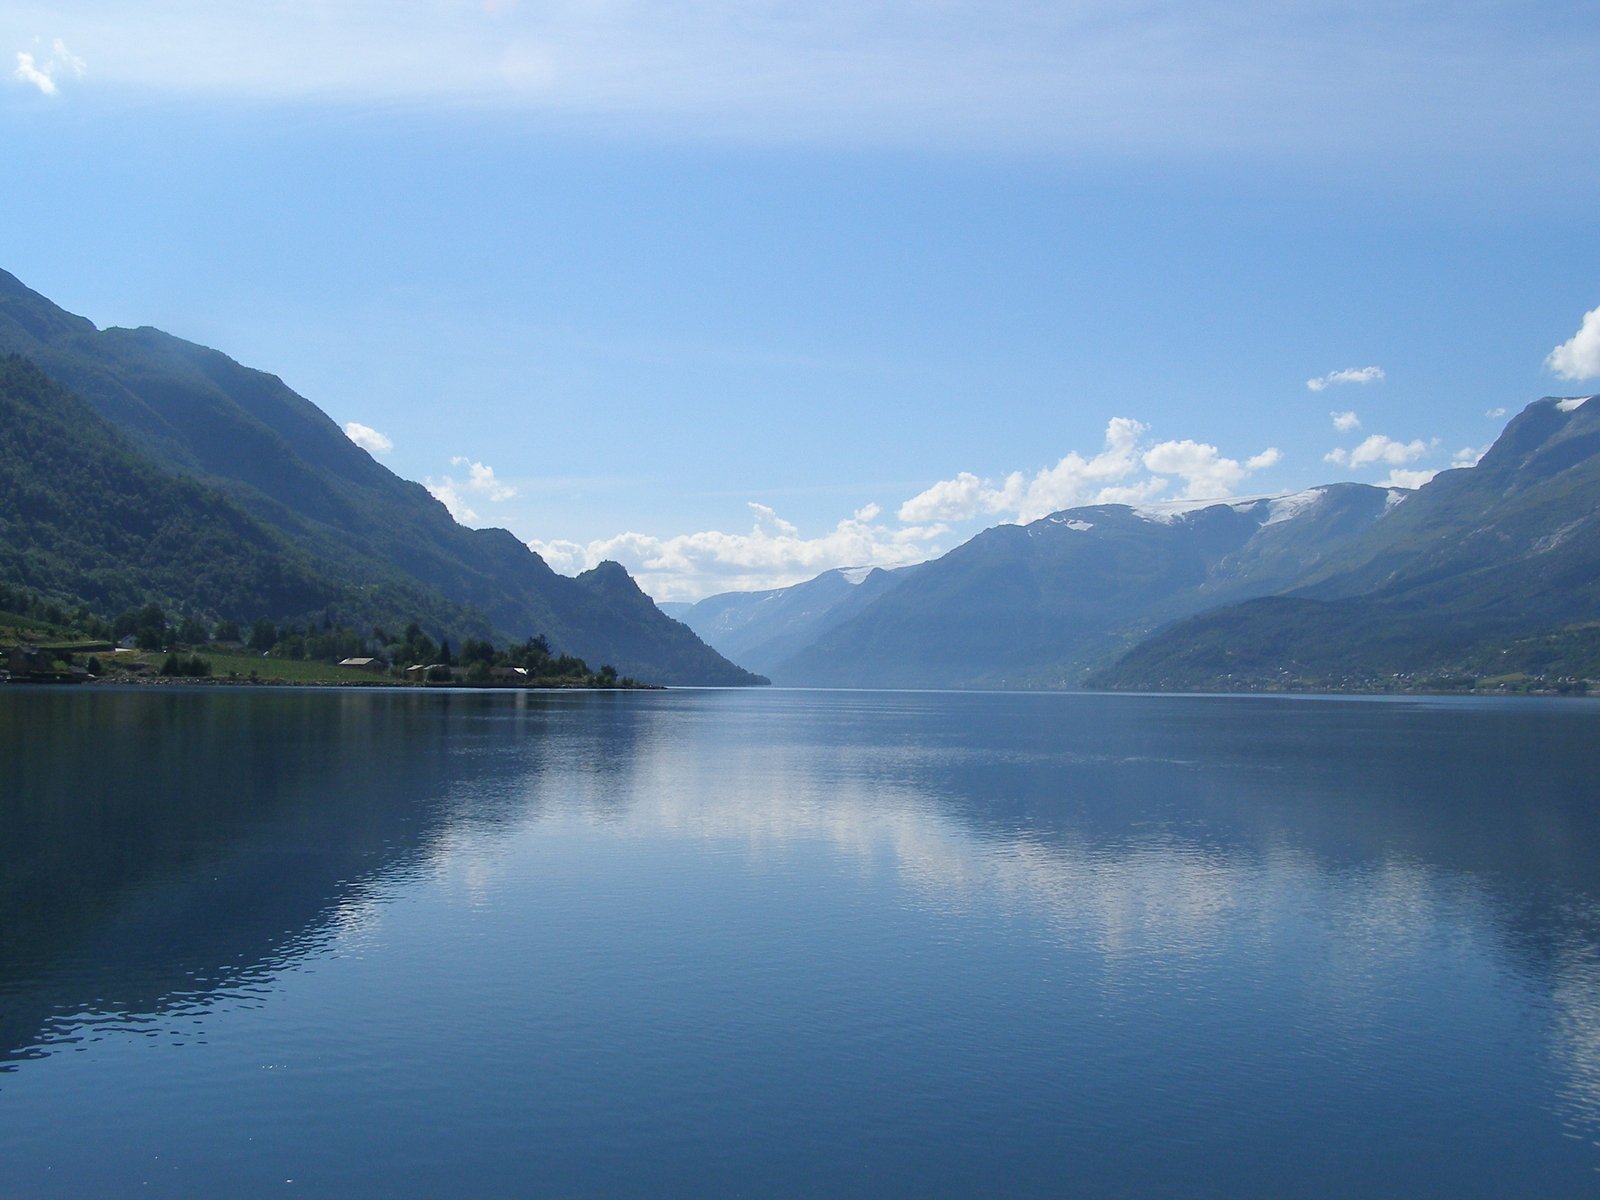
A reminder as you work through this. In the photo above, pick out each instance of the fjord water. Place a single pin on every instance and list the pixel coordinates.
(335, 943)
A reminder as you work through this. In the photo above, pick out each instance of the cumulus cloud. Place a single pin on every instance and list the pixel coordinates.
(959, 499)
(1344, 422)
(772, 554)
(1348, 375)
(42, 71)
(1381, 450)
(447, 493)
(368, 438)
(455, 493)
(1469, 457)
(1398, 478)
(1114, 475)
(1579, 356)
(1203, 469)
(480, 478)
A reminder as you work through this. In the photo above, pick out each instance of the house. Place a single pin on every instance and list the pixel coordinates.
(375, 665)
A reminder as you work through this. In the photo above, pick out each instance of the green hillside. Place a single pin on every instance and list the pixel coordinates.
(86, 520)
(195, 414)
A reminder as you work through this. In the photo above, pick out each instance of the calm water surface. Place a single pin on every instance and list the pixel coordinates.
(263, 942)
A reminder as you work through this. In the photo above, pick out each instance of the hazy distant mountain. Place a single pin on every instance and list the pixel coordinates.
(1484, 571)
(759, 630)
(1039, 605)
(193, 412)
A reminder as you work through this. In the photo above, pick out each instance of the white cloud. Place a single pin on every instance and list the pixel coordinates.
(480, 481)
(1572, 403)
(1206, 474)
(42, 72)
(368, 438)
(1112, 476)
(1407, 479)
(1348, 375)
(1579, 356)
(1379, 449)
(26, 72)
(1468, 457)
(1344, 422)
(480, 478)
(447, 493)
(1494, 414)
(772, 554)
(959, 499)
(766, 516)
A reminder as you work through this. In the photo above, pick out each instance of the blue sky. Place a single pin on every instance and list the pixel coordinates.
(735, 293)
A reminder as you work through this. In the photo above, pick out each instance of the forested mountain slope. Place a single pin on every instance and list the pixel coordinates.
(195, 413)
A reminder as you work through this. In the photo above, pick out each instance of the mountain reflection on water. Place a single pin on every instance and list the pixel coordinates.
(1398, 876)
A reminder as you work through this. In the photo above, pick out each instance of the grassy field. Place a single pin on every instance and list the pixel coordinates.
(226, 665)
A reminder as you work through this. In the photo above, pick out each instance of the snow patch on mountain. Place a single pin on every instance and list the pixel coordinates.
(1165, 512)
(1287, 508)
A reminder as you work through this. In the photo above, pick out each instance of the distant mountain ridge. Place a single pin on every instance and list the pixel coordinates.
(193, 412)
(1491, 567)
(1485, 571)
(1041, 605)
(761, 630)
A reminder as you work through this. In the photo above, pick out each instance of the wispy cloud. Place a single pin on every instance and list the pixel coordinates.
(1579, 356)
(41, 71)
(1348, 375)
(1494, 414)
(368, 438)
(1344, 422)
(1228, 76)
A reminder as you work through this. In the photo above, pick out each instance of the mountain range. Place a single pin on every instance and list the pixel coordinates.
(135, 466)
(256, 504)
(1484, 571)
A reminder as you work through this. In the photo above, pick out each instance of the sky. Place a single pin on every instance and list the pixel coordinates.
(735, 293)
